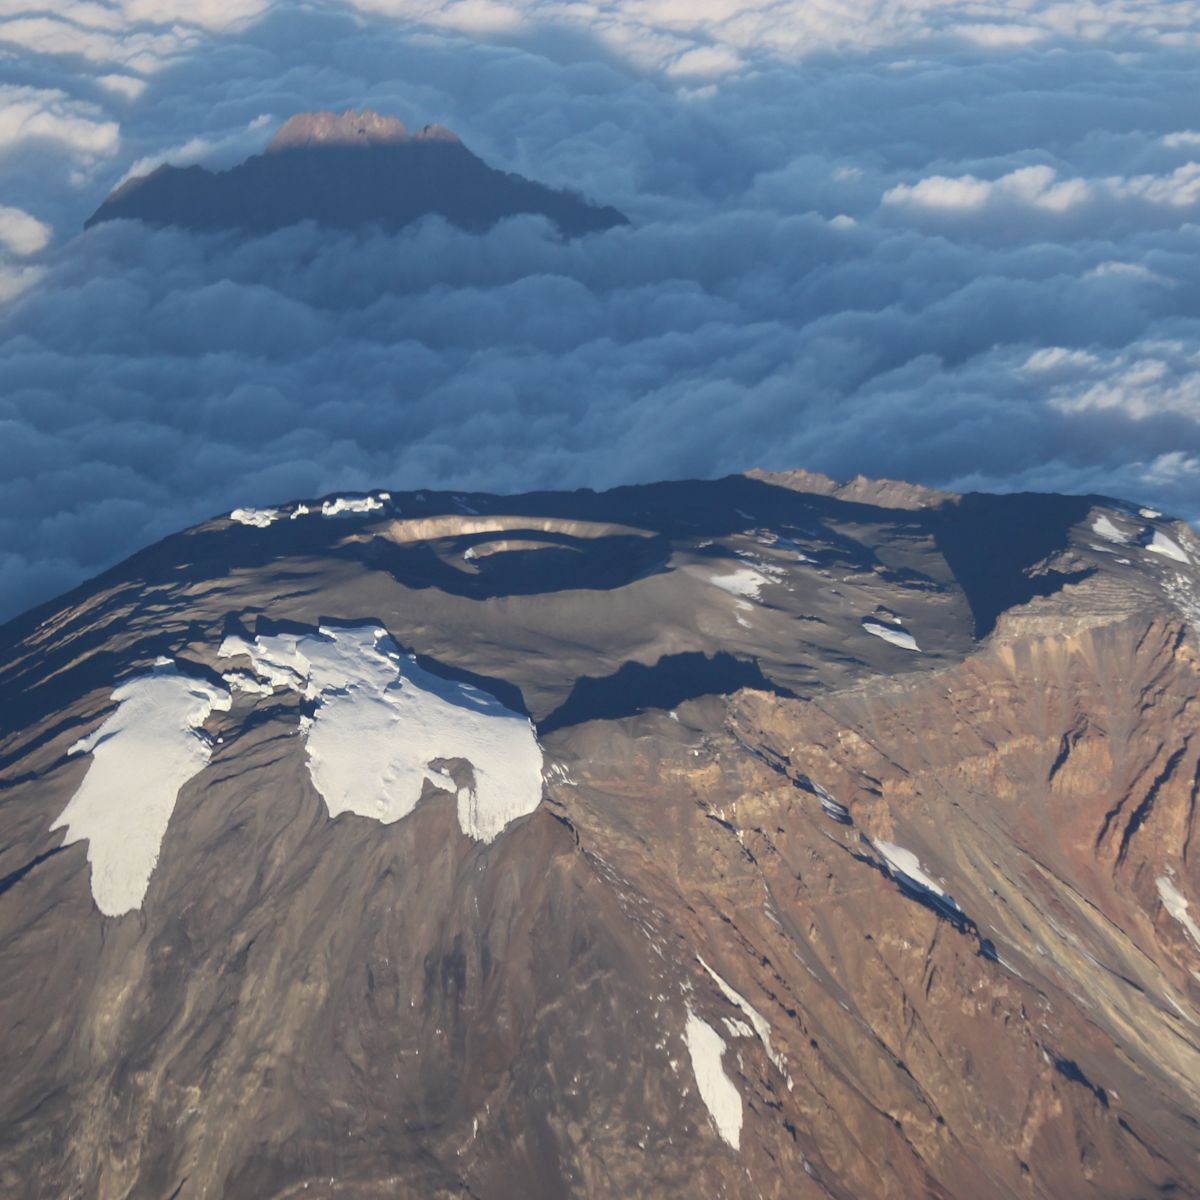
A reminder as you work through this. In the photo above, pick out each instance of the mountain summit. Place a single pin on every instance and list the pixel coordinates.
(763, 838)
(350, 170)
(350, 128)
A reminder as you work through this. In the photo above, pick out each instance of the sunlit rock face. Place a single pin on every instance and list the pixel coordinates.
(764, 837)
(349, 171)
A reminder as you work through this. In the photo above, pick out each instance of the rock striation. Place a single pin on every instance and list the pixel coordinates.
(581, 845)
(356, 169)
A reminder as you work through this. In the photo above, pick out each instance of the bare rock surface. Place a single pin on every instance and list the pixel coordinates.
(353, 170)
(654, 870)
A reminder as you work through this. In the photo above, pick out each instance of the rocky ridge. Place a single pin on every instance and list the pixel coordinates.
(859, 859)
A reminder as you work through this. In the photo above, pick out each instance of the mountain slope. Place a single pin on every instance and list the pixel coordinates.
(850, 852)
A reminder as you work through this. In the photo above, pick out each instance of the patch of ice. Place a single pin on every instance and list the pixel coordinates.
(301, 510)
(904, 863)
(1150, 514)
(1176, 904)
(737, 1028)
(350, 504)
(381, 722)
(260, 518)
(1159, 543)
(753, 1015)
(1108, 531)
(745, 582)
(897, 635)
(243, 681)
(705, 1047)
(141, 756)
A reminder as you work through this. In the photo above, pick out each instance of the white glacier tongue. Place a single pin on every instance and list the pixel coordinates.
(757, 1020)
(905, 865)
(897, 635)
(1157, 542)
(381, 722)
(705, 1048)
(141, 756)
(1175, 902)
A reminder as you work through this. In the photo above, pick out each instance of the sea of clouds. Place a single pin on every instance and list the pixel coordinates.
(954, 243)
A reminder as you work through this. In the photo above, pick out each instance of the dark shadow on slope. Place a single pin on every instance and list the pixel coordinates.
(669, 682)
(1069, 1069)
(992, 542)
(14, 877)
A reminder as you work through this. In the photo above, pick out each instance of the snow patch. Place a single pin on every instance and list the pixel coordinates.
(1176, 904)
(705, 1047)
(141, 756)
(381, 722)
(897, 635)
(745, 582)
(1108, 531)
(906, 865)
(350, 504)
(260, 518)
(244, 681)
(753, 1015)
(1159, 543)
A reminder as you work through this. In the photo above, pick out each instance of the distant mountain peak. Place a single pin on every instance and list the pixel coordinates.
(351, 170)
(354, 127)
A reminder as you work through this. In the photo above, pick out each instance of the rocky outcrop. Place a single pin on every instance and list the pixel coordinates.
(799, 910)
(354, 170)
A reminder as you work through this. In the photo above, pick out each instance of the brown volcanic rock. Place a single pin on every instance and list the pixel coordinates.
(739, 780)
(353, 170)
(350, 128)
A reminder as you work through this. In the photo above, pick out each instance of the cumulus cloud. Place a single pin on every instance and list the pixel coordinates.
(21, 234)
(30, 114)
(955, 245)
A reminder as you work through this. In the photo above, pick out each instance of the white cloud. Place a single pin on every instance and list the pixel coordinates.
(1184, 139)
(1001, 37)
(218, 151)
(14, 282)
(1147, 380)
(22, 234)
(1036, 187)
(48, 114)
(1039, 188)
(1126, 271)
(704, 62)
(1179, 189)
(128, 86)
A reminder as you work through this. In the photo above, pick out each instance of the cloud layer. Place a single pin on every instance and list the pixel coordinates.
(883, 238)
